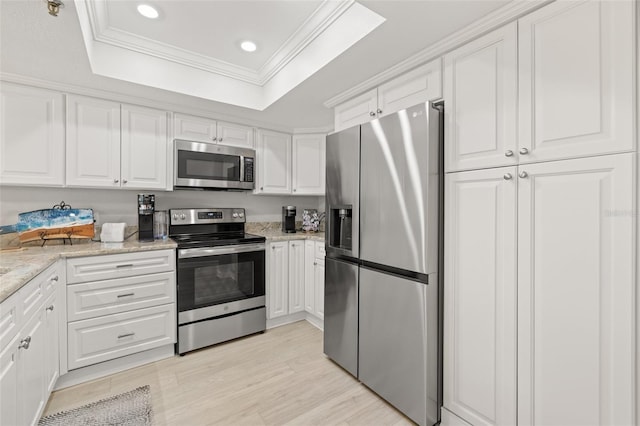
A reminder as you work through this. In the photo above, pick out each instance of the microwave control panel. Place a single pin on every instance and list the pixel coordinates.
(248, 169)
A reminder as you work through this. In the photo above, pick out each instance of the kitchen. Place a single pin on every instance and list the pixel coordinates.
(559, 127)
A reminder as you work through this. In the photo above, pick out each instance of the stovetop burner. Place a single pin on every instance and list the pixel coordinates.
(215, 240)
(209, 227)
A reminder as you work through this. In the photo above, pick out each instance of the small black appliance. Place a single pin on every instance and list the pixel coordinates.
(146, 208)
(289, 219)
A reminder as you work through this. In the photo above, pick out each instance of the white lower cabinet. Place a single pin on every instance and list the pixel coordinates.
(295, 279)
(570, 359)
(29, 360)
(118, 305)
(296, 276)
(278, 279)
(480, 296)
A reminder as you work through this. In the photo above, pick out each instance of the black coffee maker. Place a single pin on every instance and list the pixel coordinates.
(289, 219)
(146, 208)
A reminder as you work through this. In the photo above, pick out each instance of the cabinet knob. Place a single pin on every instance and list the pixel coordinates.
(214, 138)
(294, 190)
(261, 188)
(379, 111)
(220, 140)
(523, 174)
(124, 181)
(54, 278)
(24, 343)
(116, 180)
(50, 308)
(273, 247)
(524, 151)
(507, 176)
(315, 263)
(372, 114)
(508, 153)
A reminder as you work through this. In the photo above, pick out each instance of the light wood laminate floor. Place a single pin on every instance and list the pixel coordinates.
(276, 378)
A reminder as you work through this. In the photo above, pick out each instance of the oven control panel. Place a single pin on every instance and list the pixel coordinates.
(204, 216)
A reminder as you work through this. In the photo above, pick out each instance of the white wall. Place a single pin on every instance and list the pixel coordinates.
(111, 205)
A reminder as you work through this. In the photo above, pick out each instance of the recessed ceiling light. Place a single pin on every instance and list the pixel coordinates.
(148, 11)
(248, 46)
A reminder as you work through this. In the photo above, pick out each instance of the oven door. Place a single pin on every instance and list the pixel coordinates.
(220, 280)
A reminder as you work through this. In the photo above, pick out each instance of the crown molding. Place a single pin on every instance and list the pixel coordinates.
(497, 18)
(137, 100)
(321, 18)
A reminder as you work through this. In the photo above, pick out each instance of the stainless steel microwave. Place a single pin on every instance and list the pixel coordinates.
(211, 166)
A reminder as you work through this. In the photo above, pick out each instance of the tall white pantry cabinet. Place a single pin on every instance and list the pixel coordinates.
(540, 314)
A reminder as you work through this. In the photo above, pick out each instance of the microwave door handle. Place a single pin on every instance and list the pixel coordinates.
(241, 168)
(215, 251)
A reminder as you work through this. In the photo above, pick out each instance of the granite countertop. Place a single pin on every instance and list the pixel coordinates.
(278, 235)
(18, 266)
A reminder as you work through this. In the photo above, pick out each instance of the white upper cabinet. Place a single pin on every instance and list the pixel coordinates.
(356, 111)
(480, 93)
(480, 296)
(31, 136)
(576, 315)
(235, 135)
(419, 85)
(193, 128)
(200, 129)
(576, 76)
(93, 142)
(144, 148)
(273, 152)
(116, 146)
(309, 163)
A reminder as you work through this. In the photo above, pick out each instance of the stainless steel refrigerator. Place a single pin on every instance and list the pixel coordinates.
(383, 239)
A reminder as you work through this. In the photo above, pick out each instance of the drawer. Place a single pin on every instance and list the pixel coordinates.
(90, 300)
(9, 322)
(51, 279)
(95, 268)
(320, 249)
(111, 336)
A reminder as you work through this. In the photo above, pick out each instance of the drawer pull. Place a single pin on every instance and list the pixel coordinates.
(24, 343)
(55, 278)
(122, 336)
(127, 265)
(125, 295)
(50, 308)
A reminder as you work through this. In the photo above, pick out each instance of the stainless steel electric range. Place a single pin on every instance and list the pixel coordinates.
(221, 277)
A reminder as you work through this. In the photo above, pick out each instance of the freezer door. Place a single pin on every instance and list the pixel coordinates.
(343, 193)
(398, 343)
(341, 314)
(399, 189)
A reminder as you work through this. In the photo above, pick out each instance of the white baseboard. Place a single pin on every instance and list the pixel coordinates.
(298, 316)
(113, 366)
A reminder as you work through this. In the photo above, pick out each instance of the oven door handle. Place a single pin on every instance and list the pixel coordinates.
(215, 251)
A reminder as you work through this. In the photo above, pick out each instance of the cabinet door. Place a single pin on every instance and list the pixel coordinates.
(576, 76)
(9, 383)
(309, 161)
(235, 135)
(144, 148)
(480, 296)
(296, 276)
(480, 93)
(309, 276)
(356, 111)
(318, 276)
(422, 84)
(31, 136)
(52, 339)
(273, 162)
(576, 316)
(93, 142)
(192, 128)
(31, 370)
(278, 283)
